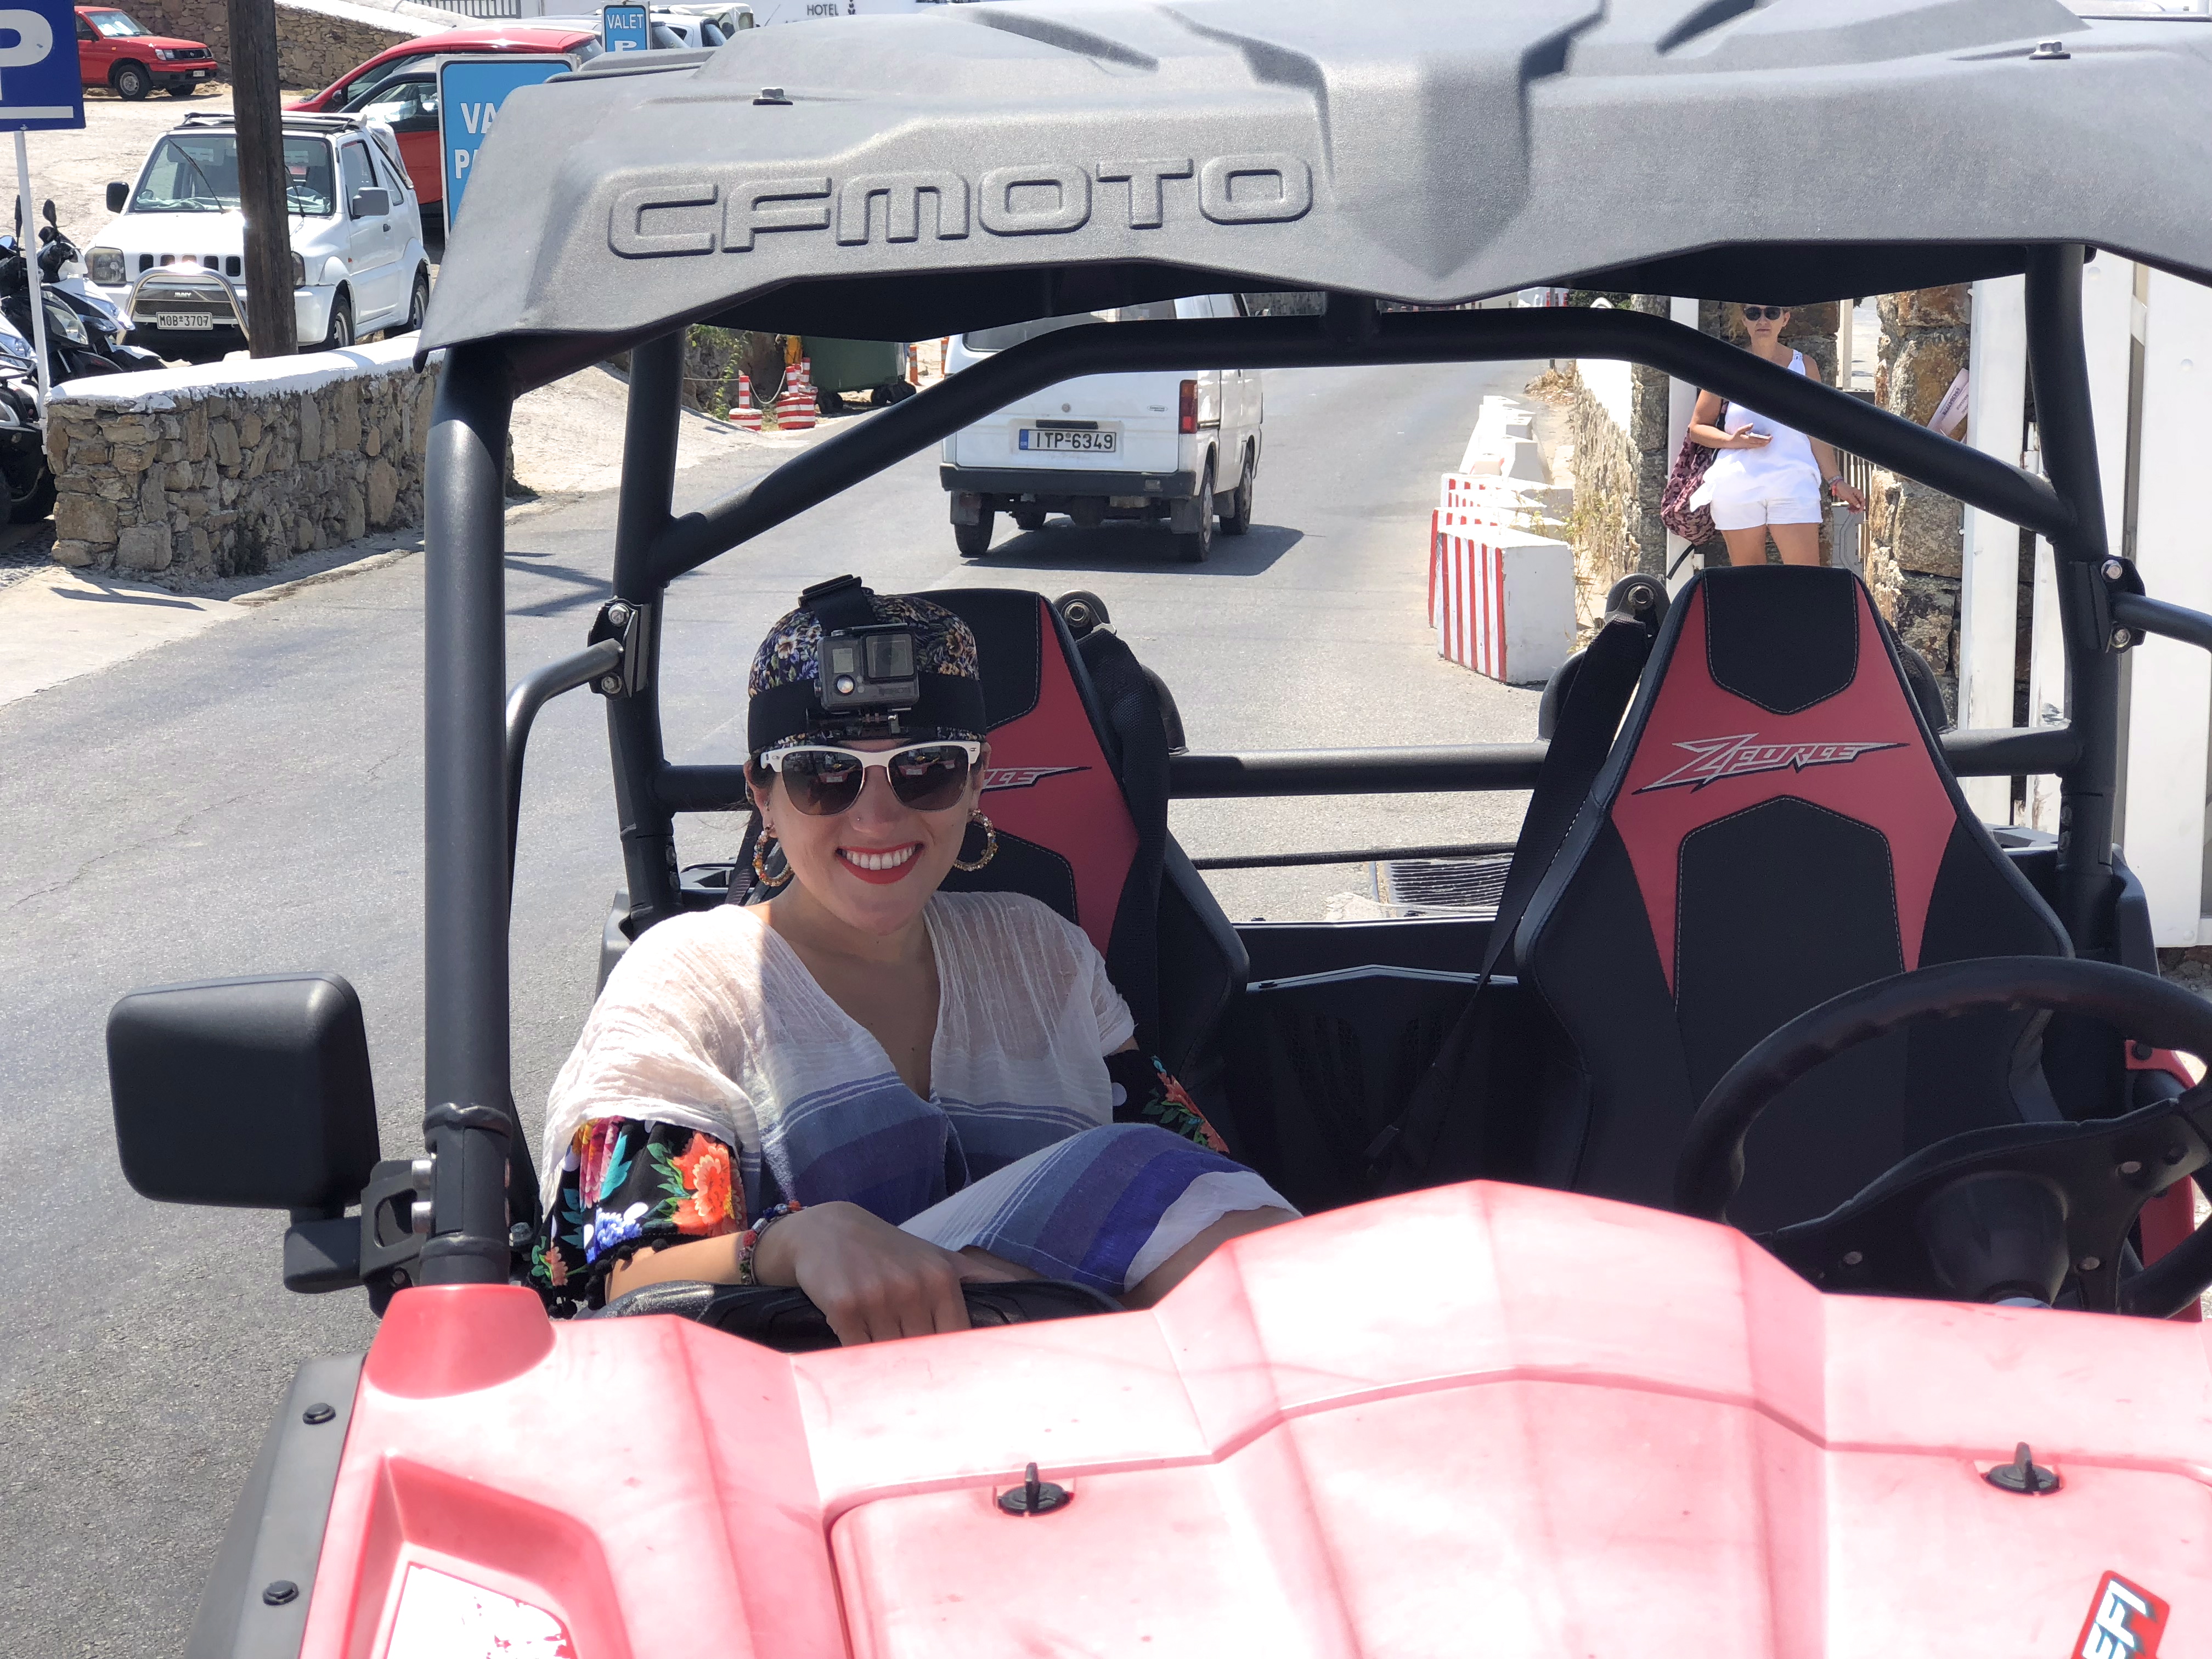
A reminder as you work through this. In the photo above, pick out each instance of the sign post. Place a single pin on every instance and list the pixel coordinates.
(625, 29)
(39, 90)
(469, 92)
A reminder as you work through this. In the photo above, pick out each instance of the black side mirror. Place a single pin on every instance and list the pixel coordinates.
(119, 196)
(371, 201)
(49, 211)
(252, 1092)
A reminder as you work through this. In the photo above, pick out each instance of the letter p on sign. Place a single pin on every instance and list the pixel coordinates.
(38, 84)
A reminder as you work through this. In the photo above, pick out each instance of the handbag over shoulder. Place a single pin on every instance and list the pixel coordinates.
(1694, 525)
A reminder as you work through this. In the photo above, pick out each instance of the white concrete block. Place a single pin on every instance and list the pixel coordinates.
(1502, 602)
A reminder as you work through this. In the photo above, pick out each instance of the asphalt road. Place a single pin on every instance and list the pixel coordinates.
(249, 800)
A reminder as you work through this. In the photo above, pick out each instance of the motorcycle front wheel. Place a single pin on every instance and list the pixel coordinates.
(31, 488)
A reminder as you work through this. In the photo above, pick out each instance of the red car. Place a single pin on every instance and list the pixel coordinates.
(114, 51)
(385, 79)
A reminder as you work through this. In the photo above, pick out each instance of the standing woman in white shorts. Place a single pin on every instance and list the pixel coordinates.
(1768, 478)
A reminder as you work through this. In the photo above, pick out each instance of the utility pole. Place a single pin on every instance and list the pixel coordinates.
(257, 101)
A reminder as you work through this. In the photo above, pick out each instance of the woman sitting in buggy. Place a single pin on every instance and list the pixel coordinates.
(865, 1087)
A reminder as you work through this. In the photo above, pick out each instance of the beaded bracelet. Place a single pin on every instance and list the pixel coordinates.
(748, 1240)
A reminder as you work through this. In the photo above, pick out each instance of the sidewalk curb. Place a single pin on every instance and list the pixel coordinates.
(361, 567)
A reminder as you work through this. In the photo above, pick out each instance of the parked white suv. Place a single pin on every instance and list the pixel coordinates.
(1184, 447)
(174, 260)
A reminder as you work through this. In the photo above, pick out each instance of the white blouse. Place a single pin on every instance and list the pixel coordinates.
(712, 1022)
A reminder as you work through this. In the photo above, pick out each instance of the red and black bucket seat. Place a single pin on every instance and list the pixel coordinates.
(1078, 791)
(1774, 825)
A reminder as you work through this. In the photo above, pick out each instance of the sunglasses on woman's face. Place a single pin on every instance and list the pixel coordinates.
(824, 780)
(1769, 313)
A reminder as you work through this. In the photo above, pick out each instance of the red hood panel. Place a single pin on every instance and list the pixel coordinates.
(1482, 1419)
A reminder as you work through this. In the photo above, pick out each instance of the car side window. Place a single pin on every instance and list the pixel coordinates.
(353, 172)
(84, 31)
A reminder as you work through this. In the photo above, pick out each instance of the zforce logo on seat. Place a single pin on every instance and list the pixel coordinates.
(1715, 758)
(2125, 1622)
(1021, 777)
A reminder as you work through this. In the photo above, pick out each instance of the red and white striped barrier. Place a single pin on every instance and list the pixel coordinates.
(1502, 601)
(1465, 503)
(795, 410)
(1470, 492)
(747, 412)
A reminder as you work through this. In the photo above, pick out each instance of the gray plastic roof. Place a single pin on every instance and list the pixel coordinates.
(990, 162)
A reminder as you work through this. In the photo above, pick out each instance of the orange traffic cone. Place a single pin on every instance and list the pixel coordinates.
(747, 412)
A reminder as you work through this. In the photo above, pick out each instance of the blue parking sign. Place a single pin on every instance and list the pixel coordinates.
(469, 92)
(625, 29)
(40, 86)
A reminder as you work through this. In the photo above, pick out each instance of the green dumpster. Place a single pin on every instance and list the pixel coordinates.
(852, 365)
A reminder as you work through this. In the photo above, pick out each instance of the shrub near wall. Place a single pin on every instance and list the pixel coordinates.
(231, 469)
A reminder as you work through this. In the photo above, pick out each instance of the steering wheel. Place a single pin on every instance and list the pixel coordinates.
(2003, 1213)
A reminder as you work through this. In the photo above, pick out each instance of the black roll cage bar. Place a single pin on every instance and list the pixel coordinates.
(476, 730)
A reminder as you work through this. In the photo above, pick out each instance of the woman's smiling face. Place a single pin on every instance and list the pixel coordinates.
(874, 864)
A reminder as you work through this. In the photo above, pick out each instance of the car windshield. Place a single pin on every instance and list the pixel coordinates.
(1013, 334)
(197, 172)
(114, 24)
(376, 74)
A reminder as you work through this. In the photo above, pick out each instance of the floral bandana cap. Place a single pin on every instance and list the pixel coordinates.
(792, 653)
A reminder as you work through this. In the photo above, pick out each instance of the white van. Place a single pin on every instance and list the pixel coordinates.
(1181, 447)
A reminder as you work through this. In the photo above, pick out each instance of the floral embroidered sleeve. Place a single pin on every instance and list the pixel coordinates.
(627, 1186)
(1144, 1092)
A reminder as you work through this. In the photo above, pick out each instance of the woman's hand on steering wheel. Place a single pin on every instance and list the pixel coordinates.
(872, 1281)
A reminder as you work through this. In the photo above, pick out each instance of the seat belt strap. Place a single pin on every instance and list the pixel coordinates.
(1133, 712)
(1589, 718)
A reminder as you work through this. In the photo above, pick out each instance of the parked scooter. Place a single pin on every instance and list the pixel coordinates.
(23, 465)
(85, 331)
(61, 271)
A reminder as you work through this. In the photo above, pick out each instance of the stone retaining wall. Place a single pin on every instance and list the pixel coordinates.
(315, 43)
(1918, 542)
(231, 469)
(1621, 474)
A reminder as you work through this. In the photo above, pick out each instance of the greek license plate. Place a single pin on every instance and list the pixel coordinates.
(202, 75)
(1082, 443)
(183, 320)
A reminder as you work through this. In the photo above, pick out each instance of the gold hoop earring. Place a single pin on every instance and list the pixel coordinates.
(990, 842)
(761, 848)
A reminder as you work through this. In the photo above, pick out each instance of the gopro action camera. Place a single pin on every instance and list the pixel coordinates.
(868, 670)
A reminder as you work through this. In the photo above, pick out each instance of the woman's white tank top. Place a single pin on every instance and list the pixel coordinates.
(1784, 465)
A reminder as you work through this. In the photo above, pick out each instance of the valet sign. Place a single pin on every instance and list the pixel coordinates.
(625, 29)
(38, 84)
(469, 93)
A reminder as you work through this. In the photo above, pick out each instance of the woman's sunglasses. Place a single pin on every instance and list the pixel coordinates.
(824, 780)
(1769, 313)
